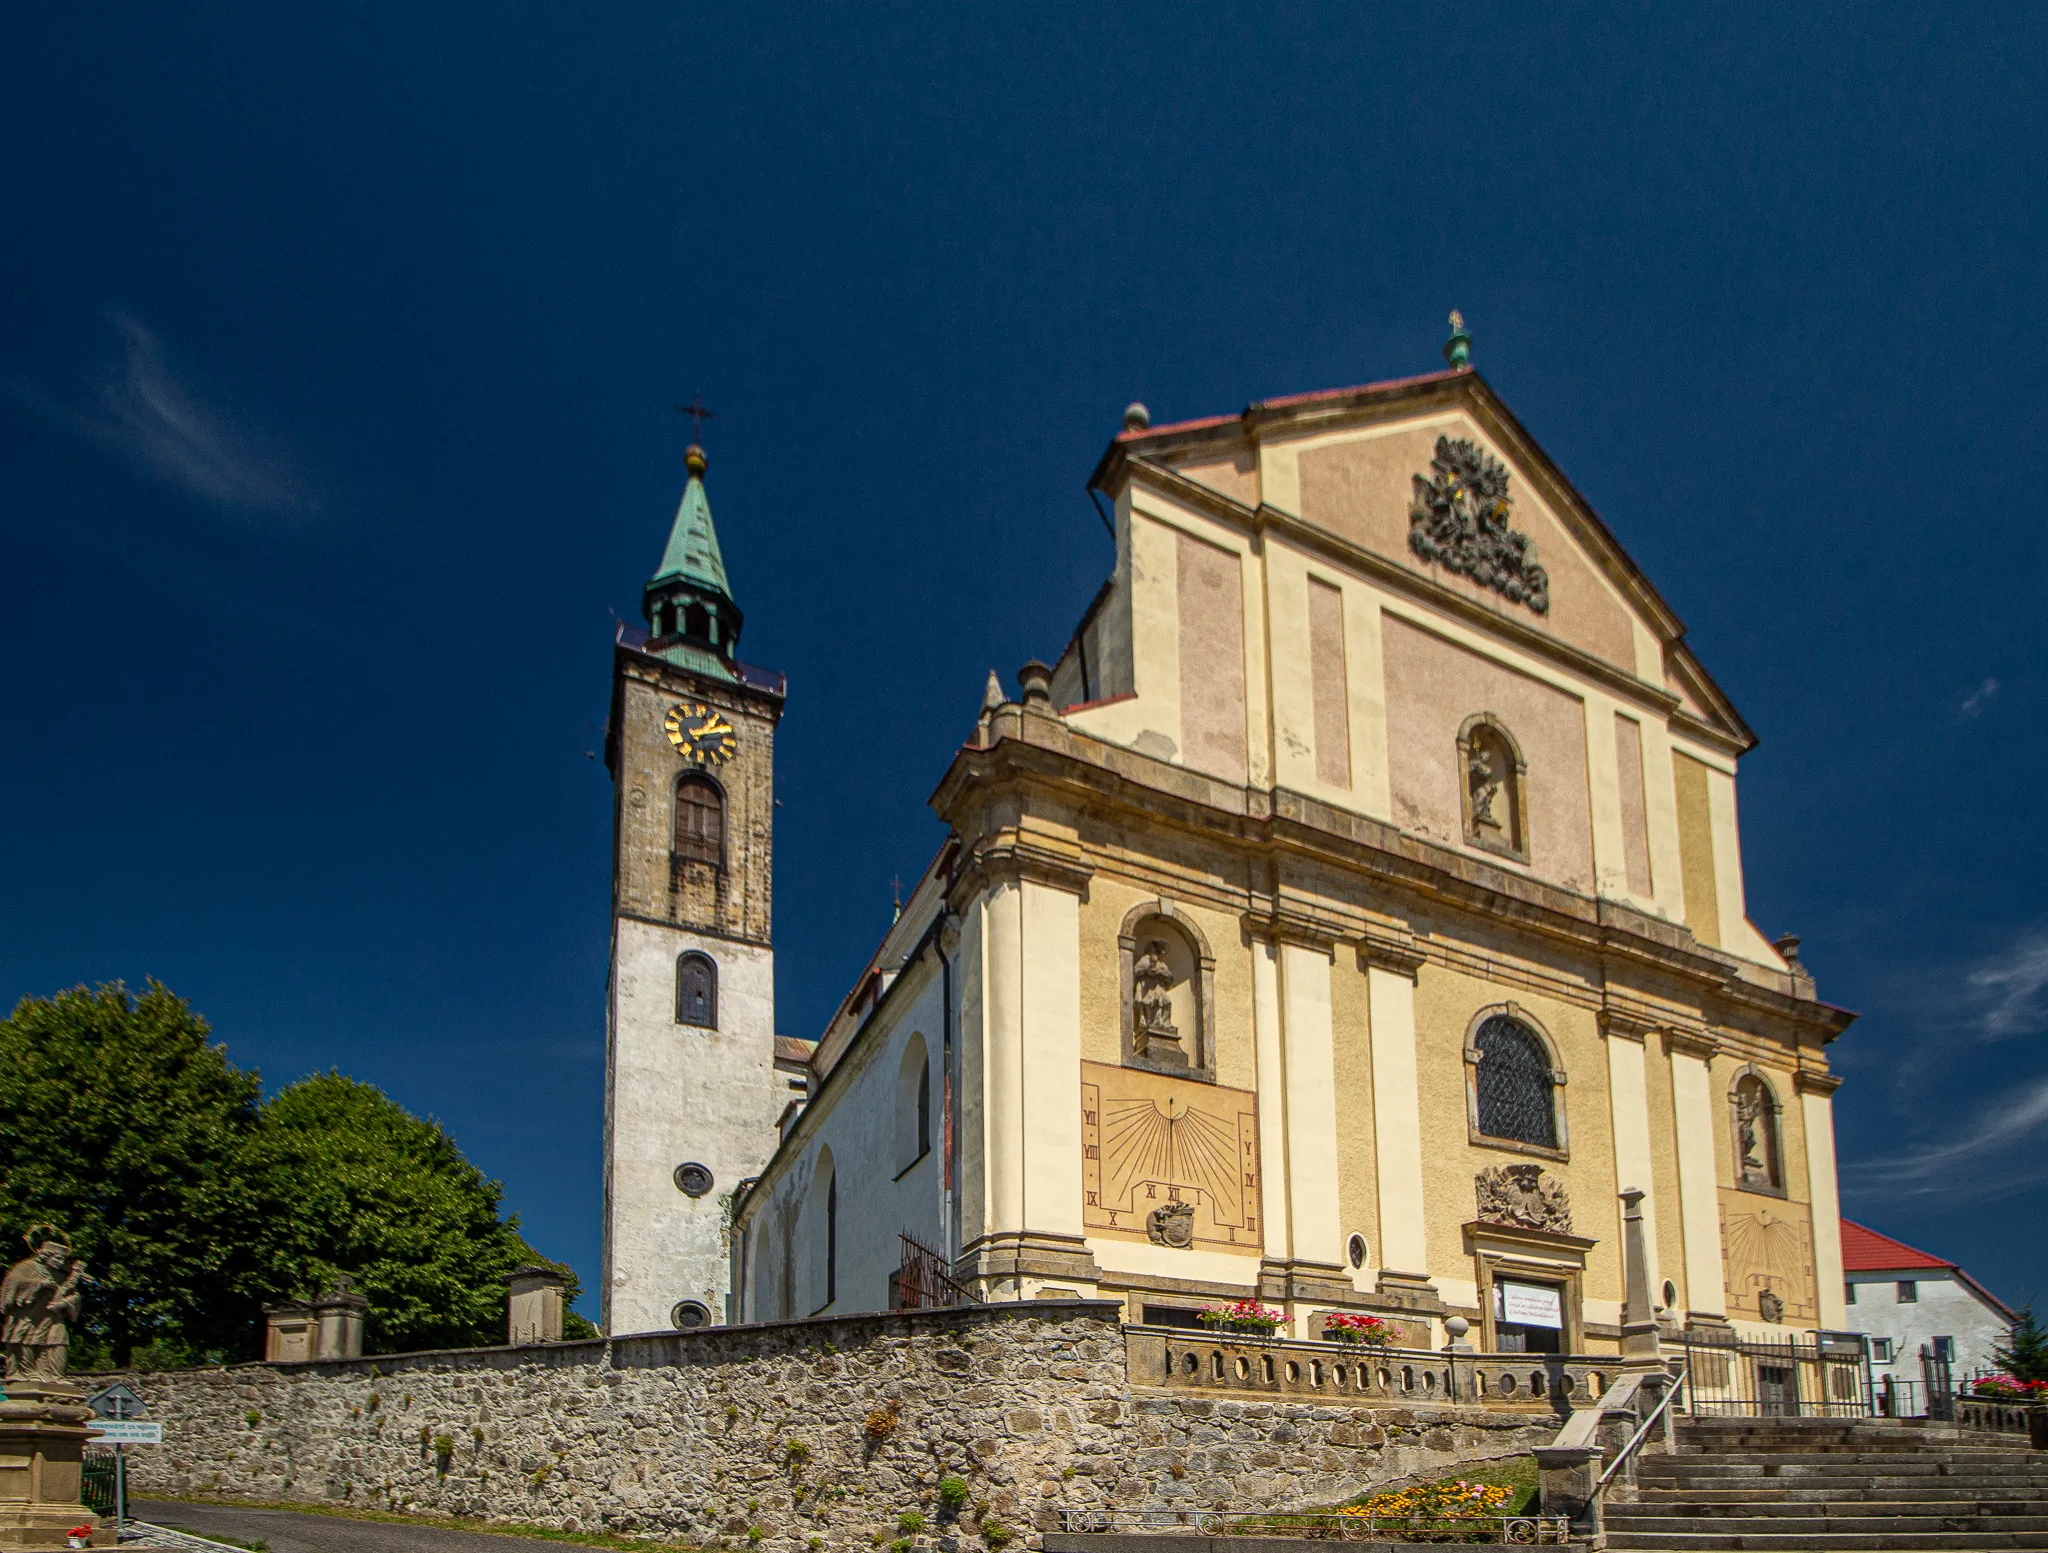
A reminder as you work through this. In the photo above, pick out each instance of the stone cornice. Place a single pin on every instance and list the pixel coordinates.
(1809, 1081)
(1681, 1042)
(1284, 920)
(1405, 871)
(651, 670)
(1012, 854)
(1390, 946)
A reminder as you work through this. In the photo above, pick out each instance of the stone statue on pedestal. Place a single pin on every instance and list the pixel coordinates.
(38, 1300)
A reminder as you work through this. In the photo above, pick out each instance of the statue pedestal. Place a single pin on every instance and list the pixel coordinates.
(43, 1428)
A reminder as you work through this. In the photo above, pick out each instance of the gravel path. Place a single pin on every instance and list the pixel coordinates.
(292, 1531)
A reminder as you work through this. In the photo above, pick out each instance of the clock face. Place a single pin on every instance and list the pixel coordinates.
(701, 733)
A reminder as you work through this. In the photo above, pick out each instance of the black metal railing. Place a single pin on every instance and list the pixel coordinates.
(1828, 1377)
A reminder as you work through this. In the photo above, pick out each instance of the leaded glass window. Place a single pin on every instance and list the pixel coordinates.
(1515, 1084)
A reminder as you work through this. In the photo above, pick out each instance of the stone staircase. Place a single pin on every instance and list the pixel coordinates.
(1793, 1483)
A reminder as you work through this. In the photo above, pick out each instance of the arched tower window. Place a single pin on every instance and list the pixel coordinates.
(697, 990)
(913, 1104)
(1759, 1147)
(1493, 777)
(1514, 1084)
(700, 820)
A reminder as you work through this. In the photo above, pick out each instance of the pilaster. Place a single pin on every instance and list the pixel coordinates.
(1817, 1111)
(1699, 1204)
(1390, 962)
(1628, 1100)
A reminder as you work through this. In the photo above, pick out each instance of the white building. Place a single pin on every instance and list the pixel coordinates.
(1905, 1301)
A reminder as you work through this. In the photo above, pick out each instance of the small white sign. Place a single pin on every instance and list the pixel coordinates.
(1531, 1304)
(128, 1431)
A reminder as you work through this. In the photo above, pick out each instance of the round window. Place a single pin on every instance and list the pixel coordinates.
(693, 1179)
(1357, 1250)
(690, 1315)
(1670, 1294)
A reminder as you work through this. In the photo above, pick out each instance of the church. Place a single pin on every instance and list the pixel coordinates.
(1349, 915)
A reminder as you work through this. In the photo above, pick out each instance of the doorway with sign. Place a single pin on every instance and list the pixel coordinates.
(1527, 1317)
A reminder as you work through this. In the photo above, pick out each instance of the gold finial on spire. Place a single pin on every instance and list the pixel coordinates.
(695, 461)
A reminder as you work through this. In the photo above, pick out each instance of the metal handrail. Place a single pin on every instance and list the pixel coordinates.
(1636, 1440)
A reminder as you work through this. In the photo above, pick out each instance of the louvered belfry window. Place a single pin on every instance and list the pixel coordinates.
(700, 821)
(1515, 1084)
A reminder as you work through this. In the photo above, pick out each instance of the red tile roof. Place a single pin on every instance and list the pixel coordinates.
(1866, 1251)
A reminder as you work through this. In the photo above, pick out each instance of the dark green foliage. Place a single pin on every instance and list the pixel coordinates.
(193, 1206)
(121, 1124)
(359, 1185)
(2025, 1354)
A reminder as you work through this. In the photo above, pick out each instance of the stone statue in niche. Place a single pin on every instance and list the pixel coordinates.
(1752, 1123)
(1459, 521)
(1152, 1004)
(38, 1300)
(1481, 770)
(1523, 1196)
(1171, 1224)
(1770, 1306)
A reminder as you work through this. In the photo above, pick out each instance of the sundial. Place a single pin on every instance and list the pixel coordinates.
(1149, 1141)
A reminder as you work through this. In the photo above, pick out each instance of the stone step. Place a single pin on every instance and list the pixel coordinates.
(1797, 1510)
(1851, 1458)
(1916, 1492)
(1928, 1464)
(1916, 1541)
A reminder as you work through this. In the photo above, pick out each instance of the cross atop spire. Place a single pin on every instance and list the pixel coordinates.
(698, 413)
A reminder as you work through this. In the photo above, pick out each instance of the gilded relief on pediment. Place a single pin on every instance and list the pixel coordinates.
(1171, 1161)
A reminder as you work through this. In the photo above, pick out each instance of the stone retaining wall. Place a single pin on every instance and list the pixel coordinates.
(801, 1435)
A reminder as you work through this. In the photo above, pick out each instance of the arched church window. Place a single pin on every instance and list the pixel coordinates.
(1759, 1149)
(1514, 1084)
(697, 990)
(821, 1230)
(700, 820)
(1492, 774)
(913, 1104)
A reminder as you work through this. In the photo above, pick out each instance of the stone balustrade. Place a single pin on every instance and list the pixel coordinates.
(1994, 1415)
(1360, 1374)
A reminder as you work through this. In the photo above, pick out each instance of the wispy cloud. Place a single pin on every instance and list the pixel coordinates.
(2009, 988)
(2019, 1120)
(1975, 702)
(167, 430)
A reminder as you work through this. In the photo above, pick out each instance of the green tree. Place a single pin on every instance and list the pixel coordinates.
(2025, 1354)
(359, 1185)
(124, 1126)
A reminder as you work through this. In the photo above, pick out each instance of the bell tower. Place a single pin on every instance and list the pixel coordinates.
(691, 1093)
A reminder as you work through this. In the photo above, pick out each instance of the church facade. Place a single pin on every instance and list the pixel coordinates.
(1350, 915)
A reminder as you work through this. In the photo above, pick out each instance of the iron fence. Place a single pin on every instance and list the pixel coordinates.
(1828, 1377)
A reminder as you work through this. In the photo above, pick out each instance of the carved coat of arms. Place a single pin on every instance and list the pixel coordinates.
(1459, 521)
(1522, 1195)
(1172, 1224)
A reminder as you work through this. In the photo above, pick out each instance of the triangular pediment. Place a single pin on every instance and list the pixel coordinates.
(1501, 528)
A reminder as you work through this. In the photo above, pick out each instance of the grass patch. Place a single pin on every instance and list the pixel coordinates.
(581, 1539)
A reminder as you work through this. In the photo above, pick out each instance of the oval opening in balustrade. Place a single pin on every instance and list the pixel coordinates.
(1315, 1372)
(1536, 1383)
(1599, 1383)
(1567, 1384)
(1216, 1365)
(1507, 1384)
(1386, 1380)
(1293, 1371)
(1188, 1363)
(1429, 1381)
(1338, 1372)
(1244, 1368)
(1407, 1377)
(1267, 1365)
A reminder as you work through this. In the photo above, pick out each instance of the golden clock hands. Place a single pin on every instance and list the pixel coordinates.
(715, 724)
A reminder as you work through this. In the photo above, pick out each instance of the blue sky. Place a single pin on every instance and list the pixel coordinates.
(337, 355)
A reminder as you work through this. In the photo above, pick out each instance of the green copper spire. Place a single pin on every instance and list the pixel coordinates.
(692, 552)
(687, 602)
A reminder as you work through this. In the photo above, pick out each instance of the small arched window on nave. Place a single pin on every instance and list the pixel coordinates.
(697, 990)
(700, 821)
(1514, 1084)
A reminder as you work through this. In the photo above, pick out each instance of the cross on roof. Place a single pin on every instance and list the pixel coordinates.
(698, 414)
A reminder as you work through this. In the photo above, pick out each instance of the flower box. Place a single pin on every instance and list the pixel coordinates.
(1365, 1331)
(1245, 1318)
